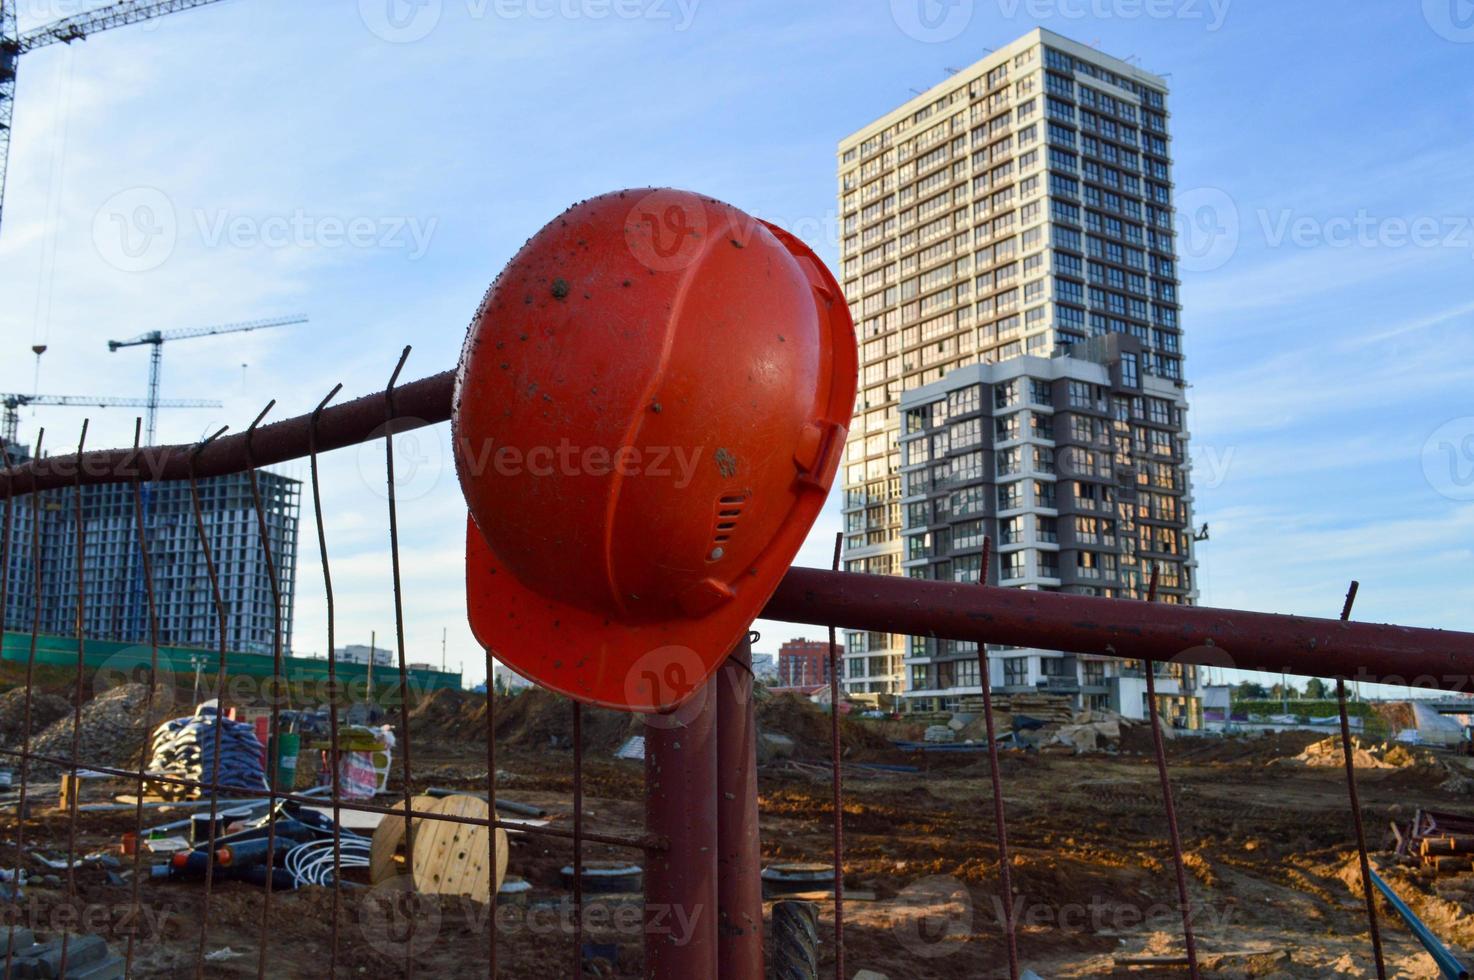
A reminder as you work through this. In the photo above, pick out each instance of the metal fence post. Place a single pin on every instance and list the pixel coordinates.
(681, 806)
(739, 853)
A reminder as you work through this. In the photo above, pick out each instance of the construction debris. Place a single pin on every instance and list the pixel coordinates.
(1378, 755)
(87, 956)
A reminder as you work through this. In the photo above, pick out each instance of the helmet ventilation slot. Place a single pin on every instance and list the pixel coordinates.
(729, 509)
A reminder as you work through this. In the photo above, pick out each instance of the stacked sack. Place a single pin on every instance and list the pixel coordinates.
(185, 748)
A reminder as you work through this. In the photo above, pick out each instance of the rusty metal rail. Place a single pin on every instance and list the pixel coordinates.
(1080, 624)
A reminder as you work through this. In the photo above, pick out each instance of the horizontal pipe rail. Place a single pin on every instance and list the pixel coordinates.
(891, 604)
(1125, 628)
(419, 403)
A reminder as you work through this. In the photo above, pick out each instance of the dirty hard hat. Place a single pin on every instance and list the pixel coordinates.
(650, 408)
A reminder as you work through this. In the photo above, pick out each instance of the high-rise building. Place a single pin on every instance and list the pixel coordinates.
(1020, 208)
(114, 599)
(1074, 467)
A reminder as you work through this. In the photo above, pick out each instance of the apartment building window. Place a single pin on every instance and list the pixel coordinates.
(1009, 461)
(1129, 375)
(1044, 494)
(967, 534)
(966, 568)
(1046, 528)
(1087, 564)
(1041, 426)
(1015, 671)
(1039, 392)
(1009, 427)
(919, 679)
(968, 500)
(1011, 530)
(968, 466)
(964, 400)
(1013, 565)
(968, 433)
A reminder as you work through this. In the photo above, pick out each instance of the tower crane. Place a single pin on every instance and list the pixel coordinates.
(156, 339)
(78, 27)
(14, 400)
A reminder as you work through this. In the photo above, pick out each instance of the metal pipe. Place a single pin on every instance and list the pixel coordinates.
(1448, 964)
(681, 806)
(1361, 836)
(739, 850)
(1126, 628)
(420, 403)
(836, 782)
(1169, 808)
(1058, 621)
(995, 777)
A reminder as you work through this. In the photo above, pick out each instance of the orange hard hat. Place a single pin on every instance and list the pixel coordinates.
(650, 408)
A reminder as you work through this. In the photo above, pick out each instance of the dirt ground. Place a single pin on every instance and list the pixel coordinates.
(1269, 847)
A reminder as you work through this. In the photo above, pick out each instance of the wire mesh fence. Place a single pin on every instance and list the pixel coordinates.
(671, 843)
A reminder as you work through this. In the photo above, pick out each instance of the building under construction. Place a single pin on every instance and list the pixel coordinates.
(115, 605)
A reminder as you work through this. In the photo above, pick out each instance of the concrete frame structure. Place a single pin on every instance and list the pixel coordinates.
(1021, 206)
(115, 606)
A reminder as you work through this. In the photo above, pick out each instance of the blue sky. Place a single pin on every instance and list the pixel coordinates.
(261, 157)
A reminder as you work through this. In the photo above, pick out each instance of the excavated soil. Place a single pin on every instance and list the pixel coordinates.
(1272, 870)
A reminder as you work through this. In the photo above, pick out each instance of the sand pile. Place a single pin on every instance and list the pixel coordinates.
(810, 728)
(532, 719)
(536, 718)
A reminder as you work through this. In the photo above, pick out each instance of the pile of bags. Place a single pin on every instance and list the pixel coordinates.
(185, 748)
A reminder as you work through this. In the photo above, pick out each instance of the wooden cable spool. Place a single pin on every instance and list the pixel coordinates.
(388, 837)
(450, 858)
